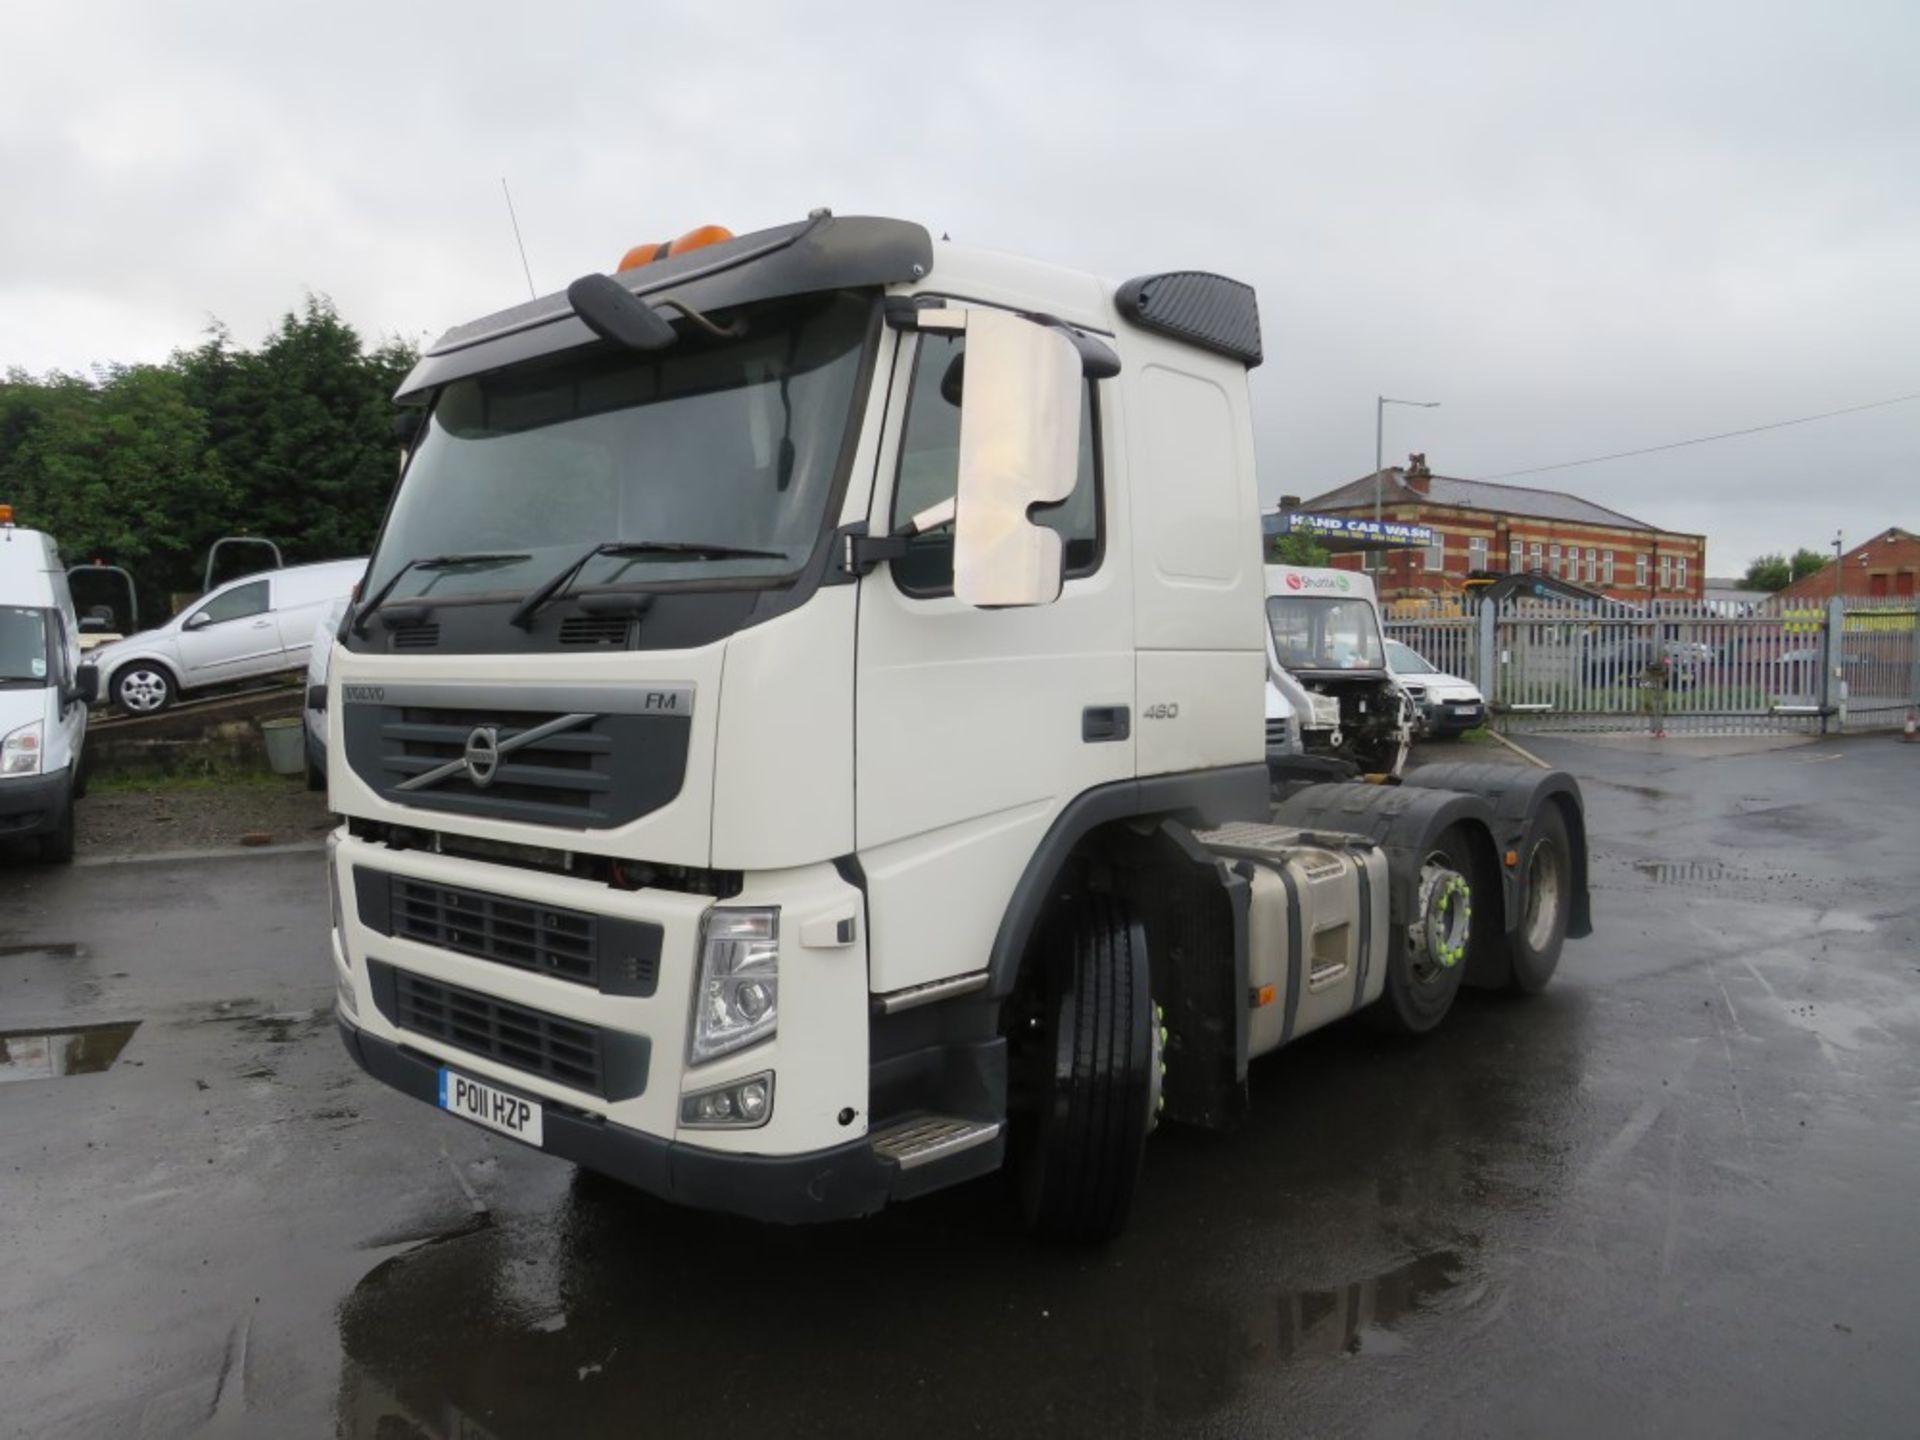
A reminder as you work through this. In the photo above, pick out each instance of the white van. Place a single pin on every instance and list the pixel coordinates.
(256, 625)
(318, 654)
(44, 693)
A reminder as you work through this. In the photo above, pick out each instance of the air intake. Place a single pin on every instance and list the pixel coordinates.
(416, 637)
(608, 630)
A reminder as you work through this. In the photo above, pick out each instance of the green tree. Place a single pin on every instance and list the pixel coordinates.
(1807, 562)
(146, 465)
(116, 467)
(1296, 550)
(303, 425)
(1769, 572)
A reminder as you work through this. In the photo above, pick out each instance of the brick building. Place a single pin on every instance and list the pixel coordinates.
(1887, 565)
(1494, 529)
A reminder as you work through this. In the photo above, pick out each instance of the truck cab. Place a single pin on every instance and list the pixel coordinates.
(781, 727)
(44, 693)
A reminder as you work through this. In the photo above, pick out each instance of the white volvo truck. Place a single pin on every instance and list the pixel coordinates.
(800, 745)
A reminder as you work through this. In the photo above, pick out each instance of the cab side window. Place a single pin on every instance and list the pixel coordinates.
(237, 603)
(929, 473)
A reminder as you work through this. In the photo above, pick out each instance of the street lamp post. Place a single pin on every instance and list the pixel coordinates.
(1379, 437)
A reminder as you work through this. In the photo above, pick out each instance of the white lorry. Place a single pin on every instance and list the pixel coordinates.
(44, 693)
(790, 767)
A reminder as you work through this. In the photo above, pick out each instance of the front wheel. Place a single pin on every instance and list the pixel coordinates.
(1427, 956)
(56, 846)
(142, 689)
(1093, 1072)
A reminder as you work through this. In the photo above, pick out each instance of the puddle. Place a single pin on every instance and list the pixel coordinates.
(1356, 1319)
(49, 1054)
(51, 949)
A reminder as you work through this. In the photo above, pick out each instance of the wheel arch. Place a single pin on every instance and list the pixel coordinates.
(1090, 822)
(151, 661)
(1403, 820)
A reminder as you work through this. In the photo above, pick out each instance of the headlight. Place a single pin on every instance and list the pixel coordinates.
(738, 999)
(20, 751)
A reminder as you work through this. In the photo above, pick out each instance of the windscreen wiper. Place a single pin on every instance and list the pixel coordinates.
(429, 562)
(550, 589)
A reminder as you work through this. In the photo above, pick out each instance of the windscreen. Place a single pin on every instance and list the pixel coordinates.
(1321, 633)
(725, 442)
(1408, 661)
(23, 645)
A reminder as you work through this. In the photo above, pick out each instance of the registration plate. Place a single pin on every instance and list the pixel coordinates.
(486, 1105)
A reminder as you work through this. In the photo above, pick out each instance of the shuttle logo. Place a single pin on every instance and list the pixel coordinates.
(1315, 582)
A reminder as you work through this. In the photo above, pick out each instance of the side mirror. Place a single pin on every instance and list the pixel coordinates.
(199, 620)
(86, 684)
(316, 697)
(1019, 447)
(615, 313)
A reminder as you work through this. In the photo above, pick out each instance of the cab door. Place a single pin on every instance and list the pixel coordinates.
(974, 727)
(230, 636)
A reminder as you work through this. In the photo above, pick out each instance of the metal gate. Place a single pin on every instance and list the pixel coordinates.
(1680, 667)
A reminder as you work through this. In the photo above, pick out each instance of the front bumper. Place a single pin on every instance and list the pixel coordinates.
(815, 1159)
(33, 804)
(840, 1183)
(1447, 716)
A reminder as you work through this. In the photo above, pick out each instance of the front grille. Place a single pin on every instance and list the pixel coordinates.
(587, 757)
(492, 927)
(525, 1039)
(614, 954)
(560, 774)
(595, 630)
(1277, 734)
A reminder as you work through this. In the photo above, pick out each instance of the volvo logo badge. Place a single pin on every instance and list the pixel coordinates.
(482, 755)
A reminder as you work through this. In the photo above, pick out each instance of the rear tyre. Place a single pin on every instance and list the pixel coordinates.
(56, 846)
(1534, 944)
(1093, 1078)
(143, 689)
(1427, 958)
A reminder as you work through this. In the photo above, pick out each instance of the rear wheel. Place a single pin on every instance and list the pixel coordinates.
(143, 689)
(1093, 1073)
(1534, 944)
(1427, 957)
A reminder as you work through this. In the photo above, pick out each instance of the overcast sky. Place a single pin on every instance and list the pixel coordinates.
(1584, 229)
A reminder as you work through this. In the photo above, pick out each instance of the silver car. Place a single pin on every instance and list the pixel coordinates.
(256, 625)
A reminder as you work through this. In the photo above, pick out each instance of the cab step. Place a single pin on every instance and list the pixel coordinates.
(922, 1139)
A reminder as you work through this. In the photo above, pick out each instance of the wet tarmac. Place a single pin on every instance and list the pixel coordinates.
(1675, 1195)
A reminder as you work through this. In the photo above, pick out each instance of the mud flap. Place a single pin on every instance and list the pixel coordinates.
(1195, 916)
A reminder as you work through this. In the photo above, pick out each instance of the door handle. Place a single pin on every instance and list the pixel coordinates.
(1100, 723)
(263, 624)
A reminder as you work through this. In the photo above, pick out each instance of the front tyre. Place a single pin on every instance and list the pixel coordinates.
(1427, 956)
(56, 846)
(1093, 1075)
(143, 689)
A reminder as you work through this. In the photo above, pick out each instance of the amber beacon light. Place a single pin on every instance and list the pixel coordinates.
(659, 250)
